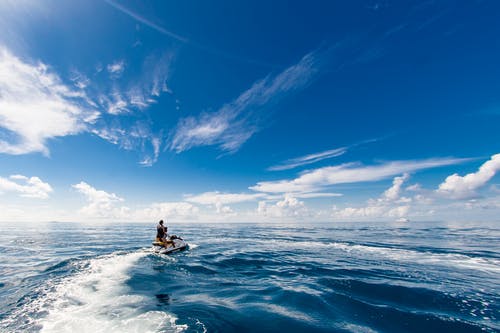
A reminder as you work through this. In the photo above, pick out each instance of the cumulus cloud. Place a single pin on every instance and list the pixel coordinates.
(102, 204)
(221, 200)
(391, 204)
(288, 207)
(35, 106)
(317, 179)
(174, 210)
(235, 122)
(458, 187)
(32, 187)
(394, 192)
(99, 203)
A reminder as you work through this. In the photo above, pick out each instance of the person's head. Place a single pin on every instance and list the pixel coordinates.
(161, 222)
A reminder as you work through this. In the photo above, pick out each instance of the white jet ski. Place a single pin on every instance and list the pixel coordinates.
(178, 245)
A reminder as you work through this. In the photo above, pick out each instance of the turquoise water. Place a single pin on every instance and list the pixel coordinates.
(370, 277)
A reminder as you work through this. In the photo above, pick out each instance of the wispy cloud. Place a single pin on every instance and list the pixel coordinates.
(212, 198)
(124, 120)
(116, 68)
(315, 180)
(114, 103)
(465, 187)
(32, 187)
(151, 159)
(135, 137)
(234, 123)
(80, 80)
(147, 22)
(309, 159)
(206, 48)
(316, 157)
(35, 106)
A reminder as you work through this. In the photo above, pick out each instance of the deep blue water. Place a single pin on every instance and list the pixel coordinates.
(413, 277)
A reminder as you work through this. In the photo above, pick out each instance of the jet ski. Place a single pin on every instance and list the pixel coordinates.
(178, 245)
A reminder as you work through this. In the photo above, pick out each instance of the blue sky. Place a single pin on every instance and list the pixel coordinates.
(249, 110)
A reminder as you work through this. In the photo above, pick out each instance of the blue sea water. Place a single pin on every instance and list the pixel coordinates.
(357, 277)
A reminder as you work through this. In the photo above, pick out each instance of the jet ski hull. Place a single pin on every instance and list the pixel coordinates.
(179, 245)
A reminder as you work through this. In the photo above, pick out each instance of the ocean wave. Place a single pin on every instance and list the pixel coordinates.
(96, 299)
(456, 260)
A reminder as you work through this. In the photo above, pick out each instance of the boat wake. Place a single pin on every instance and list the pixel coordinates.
(95, 299)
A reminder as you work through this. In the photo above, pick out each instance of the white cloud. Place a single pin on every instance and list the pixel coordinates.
(171, 210)
(114, 103)
(414, 188)
(211, 198)
(317, 179)
(458, 187)
(288, 207)
(100, 203)
(389, 205)
(483, 203)
(219, 200)
(132, 99)
(80, 80)
(145, 89)
(138, 136)
(32, 187)
(234, 123)
(36, 106)
(495, 188)
(394, 192)
(146, 22)
(150, 160)
(116, 68)
(308, 159)
(312, 195)
(316, 157)
(360, 212)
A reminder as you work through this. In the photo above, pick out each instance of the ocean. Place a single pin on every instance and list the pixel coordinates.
(300, 277)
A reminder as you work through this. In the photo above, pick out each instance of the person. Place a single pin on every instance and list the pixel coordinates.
(160, 232)
(162, 236)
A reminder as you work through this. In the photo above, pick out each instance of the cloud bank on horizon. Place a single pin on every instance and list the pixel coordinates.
(157, 110)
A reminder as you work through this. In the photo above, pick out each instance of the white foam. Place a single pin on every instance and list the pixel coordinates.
(490, 265)
(286, 312)
(444, 259)
(97, 299)
(355, 328)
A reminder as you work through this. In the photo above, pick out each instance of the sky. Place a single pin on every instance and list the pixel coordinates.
(249, 111)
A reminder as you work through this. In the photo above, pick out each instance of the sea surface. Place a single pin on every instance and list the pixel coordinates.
(337, 277)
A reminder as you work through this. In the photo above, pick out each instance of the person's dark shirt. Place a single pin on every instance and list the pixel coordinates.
(160, 231)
